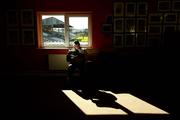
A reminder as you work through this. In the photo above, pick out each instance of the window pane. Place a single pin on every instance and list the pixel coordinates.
(53, 30)
(78, 30)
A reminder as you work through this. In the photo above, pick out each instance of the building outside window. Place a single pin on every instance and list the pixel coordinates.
(60, 30)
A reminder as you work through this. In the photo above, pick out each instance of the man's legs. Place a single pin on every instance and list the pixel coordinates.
(70, 70)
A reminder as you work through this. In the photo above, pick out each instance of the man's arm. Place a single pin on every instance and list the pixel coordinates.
(68, 57)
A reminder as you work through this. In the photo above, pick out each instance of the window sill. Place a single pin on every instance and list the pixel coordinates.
(55, 48)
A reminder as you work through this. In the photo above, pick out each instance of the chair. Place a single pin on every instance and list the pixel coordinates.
(80, 71)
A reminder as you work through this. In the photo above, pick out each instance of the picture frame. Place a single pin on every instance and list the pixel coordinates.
(169, 28)
(141, 25)
(170, 18)
(130, 24)
(27, 17)
(130, 9)
(28, 36)
(140, 39)
(12, 18)
(154, 40)
(155, 18)
(13, 36)
(176, 5)
(118, 8)
(118, 25)
(164, 5)
(129, 40)
(142, 8)
(107, 28)
(118, 40)
(109, 19)
(155, 29)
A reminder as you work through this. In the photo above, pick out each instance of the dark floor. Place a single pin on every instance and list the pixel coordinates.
(39, 96)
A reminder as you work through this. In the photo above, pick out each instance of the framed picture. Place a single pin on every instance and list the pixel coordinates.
(129, 40)
(130, 9)
(118, 9)
(169, 28)
(155, 29)
(142, 8)
(154, 40)
(28, 36)
(118, 40)
(12, 18)
(164, 5)
(109, 19)
(107, 28)
(155, 18)
(27, 17)
(170, 18)
(141, 25)
(140, 39)
(118, 25)
(176, 5)
(13, 36)
(130, 24)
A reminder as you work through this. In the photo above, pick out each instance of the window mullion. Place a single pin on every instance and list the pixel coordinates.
(66, 30)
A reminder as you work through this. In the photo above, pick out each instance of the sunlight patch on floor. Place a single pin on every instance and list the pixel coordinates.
(130, 102)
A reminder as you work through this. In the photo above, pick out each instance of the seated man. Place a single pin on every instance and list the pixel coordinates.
(76, 59)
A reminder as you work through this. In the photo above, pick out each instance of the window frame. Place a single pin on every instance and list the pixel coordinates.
(66, 15)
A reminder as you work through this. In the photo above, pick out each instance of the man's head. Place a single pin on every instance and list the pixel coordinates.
(76, 44)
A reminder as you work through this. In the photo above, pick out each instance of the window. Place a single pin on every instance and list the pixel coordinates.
(60, 30)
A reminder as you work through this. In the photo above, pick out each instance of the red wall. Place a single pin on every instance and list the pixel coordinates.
(100, 9)
(22, 58)
(32, 58)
